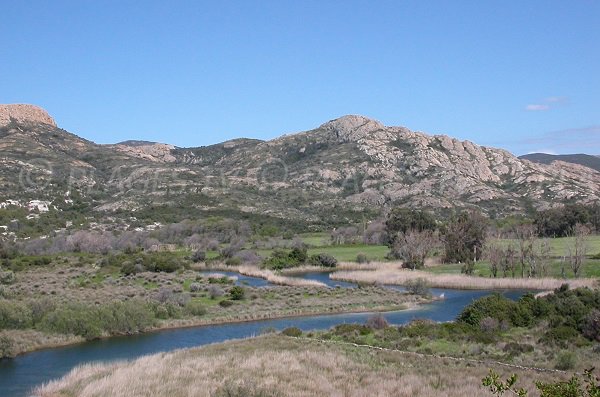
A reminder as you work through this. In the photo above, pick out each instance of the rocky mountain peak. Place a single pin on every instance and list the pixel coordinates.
(352, 128)
(24, 113)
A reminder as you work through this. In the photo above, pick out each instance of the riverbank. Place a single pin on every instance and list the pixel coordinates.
(275, 365)
(393, 274)
(259, 303)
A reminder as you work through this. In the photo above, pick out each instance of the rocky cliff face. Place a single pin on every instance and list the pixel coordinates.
(343, 169)
(23, 113)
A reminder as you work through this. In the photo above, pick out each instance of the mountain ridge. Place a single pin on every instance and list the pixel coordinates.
(346, 168)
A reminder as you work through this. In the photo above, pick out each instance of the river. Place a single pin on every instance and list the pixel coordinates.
(19, 375)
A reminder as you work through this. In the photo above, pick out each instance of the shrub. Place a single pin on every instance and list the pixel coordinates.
(377, 321)
(215, 292)
(39, 308)
(566, 360)
(591, 327)
(324, 260)
(514, 349)
(7, 277)
(494, 306)
(195, 287)
(226, 303)
(128, 268)
(233, 261)
(14, 315)
(199, 256)
(195, 308)
(362, 258)
(7, 347)
(237, 293)
(292, 331)
(73, 320)
(126, 317)
(489, 324)
(418, 286)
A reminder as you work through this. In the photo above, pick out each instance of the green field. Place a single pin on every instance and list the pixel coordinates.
(560, 245)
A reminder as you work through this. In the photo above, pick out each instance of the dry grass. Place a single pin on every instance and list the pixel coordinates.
(26, 340)
(270, 276)
(285, 366)
(392, 273)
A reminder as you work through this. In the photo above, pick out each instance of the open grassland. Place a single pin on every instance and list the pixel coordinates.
(559, 246)
(280, 366)
(393, 273)
(557, 269)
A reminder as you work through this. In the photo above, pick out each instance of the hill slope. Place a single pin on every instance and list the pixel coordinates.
(345, 169)
(586, 160)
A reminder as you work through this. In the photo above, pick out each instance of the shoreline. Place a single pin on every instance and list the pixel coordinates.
(199, 324)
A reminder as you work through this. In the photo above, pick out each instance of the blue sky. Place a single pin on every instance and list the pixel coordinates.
(522, 75)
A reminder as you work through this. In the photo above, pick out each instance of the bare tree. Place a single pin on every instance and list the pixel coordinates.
(545, 257)
(413, 247)
(526, 237)
(495, 255)
(578, 248)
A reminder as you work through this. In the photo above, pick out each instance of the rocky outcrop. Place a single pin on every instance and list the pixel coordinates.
(23, 113)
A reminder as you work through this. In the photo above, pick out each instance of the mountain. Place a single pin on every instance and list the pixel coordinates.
(346, 169)
(586, 160)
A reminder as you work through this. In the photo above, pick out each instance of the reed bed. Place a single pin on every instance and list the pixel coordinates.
(278, 366)
(274, 278)
(390, 273)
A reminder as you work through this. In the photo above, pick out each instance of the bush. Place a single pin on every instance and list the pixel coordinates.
(7, 277)
(324, 260)
(418, 286)
(591, 327)
(494, 306)
(14, 315)
(128, 317)
(195, 287)
(226, 303)
(215, 292)
(233, 261)
(377, 321)
(566, 360)
(362, 258)
(199, 256)
(514, 349)
(7, 347)
(195, 308)
(73, 320)
(292, 331)
(237, 293)
(128, 268)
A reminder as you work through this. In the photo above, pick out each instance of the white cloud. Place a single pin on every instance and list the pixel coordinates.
(536, 107)
(555, 99)
(547, 103)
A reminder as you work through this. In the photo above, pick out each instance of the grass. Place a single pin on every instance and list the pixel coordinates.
(274, 365)
(560, 245)
(392, 273)
(591, 268)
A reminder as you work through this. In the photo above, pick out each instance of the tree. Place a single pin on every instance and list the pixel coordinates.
(464, 237)
(526, 237)
(578, 248)
(412, 247)
(401, 220)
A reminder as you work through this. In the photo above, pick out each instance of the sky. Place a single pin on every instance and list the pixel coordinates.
(521, 75)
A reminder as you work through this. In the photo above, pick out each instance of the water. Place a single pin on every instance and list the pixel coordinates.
(240, 278)
(19, 375)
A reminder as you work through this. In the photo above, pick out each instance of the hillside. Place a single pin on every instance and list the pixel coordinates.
(586, 160)
(343, 170)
